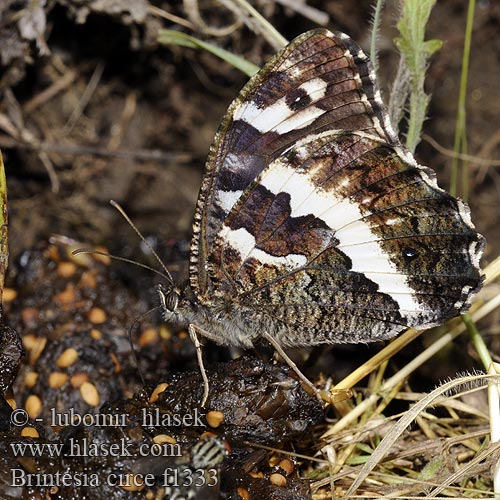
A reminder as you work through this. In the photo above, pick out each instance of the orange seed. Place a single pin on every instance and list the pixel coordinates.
(97, 315)
(33, 406)
(67, 358)
(215, 418)
(157, 391)
(89, 393)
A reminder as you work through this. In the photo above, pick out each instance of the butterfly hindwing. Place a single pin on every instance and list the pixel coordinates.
(344, 228)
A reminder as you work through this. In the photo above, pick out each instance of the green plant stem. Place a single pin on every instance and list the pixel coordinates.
(415, 52)
(460, 142)
(4, 244)
(374, 35)
(477, 340)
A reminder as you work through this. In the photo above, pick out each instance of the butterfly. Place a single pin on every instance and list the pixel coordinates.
(314, 224)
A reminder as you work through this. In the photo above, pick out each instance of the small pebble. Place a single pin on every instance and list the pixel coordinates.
(257, 475)
(105, 259)
(29, 341)
(165, 332)
(116, 362)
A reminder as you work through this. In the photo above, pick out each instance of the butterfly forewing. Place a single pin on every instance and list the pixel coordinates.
(313, 220)
(319, 82)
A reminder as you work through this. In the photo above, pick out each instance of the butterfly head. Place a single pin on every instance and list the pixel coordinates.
(169, 299)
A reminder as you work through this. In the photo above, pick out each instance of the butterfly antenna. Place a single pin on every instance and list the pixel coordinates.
(146, 242)
(123, 259)
(134, 352)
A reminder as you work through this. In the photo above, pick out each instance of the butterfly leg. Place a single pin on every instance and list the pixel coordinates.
(322, 395)
(194, 338)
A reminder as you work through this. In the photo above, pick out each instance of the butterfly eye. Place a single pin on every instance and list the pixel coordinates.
(169, 299)
(409, 253)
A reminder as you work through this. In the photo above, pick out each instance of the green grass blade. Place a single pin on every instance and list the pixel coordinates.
(172, 37)
(460, 142)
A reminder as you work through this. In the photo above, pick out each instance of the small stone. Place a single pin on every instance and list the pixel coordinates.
(88, 279)
(29, 341)
(105, 259)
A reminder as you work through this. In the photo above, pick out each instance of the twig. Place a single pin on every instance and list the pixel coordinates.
(193, 12)
(262, 25)
(87, 94)
(156, 11)
(49, 92)
(315, 15)
(461, 156)
(138, 154)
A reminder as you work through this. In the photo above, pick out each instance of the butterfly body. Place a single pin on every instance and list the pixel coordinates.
(314, 224)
